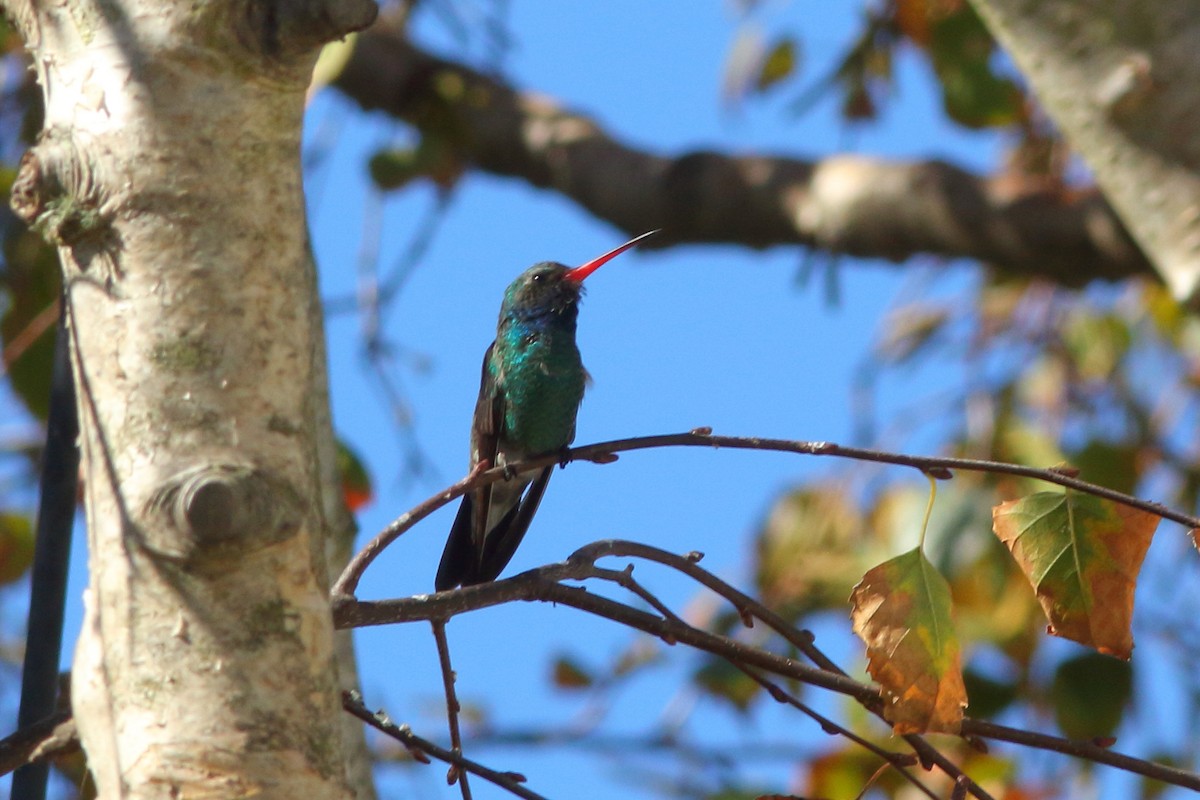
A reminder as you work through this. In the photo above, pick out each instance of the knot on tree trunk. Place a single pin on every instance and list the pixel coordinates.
(56, 192)
(222, 511)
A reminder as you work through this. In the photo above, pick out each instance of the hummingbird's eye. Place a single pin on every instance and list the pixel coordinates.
(538, 276)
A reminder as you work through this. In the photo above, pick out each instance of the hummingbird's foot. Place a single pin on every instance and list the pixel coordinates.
(509, 472)
(564, 457)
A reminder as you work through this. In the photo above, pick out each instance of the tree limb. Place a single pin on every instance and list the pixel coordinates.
(846, 204)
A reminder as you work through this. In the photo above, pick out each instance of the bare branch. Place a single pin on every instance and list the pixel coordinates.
(845, 204)
(1084, 750)
(898, 761)
(509, 781)
(53, 736)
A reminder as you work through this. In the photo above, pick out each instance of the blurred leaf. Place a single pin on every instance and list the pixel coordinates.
(810, 551)
(1043, 385)
(434, 158)
(779, 63)
(902, 612)
(1090, 694)
(392, 169)
(721, 679)
(912, 18)
(1097, 343)
(570, 674)
(31, 280)
(356, 483)
(16, 546)
(987, 697)
(1019, 442)
(992, 603)
(1113, 465)
(743, 65)
(962, 51)
(1082, 554)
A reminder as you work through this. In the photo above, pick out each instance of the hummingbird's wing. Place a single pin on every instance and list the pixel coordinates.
(460, 564)
(485, 444)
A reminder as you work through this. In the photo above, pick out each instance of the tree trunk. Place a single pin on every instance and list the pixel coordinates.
(1119, 78)
(168, 174)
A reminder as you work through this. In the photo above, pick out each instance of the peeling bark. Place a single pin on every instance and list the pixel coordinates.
(168, 174)
(844, 204)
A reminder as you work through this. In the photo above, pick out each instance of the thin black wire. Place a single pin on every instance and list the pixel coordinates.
(48, 589)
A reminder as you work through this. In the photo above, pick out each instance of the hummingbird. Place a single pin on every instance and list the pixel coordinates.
(529, 394)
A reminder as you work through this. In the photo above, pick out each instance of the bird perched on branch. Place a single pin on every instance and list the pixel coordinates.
(532, 385)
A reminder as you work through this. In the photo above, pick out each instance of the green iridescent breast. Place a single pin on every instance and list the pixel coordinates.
(542, 378)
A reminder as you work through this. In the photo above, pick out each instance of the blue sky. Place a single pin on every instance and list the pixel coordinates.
(718, 336)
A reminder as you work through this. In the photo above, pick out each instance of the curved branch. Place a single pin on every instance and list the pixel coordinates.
(844, 204)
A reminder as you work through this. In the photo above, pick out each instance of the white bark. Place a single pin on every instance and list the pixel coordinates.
(168, 173)
(1119, 77)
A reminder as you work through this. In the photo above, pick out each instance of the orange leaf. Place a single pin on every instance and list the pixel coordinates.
(1082, 554)
(902, 612)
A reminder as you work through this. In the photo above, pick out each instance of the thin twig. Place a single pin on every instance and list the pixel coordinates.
(510, 781)
(898, 761)
(452, 706)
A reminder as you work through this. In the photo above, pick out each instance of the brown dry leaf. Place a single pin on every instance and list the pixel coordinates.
(1082, 554)
(902, 612)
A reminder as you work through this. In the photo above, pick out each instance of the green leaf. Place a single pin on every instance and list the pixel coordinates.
(1090, 694)
(16, 546)
(392, 169)
(779, 62)
(721, 679)
(987, 697)
(1082, 554)
(1116, 466)
(810, 551)
(902, 611)
(570, 674)
(31, 279)
(972, 93)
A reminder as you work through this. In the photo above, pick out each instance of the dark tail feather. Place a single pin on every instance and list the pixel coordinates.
(460, 562)
(502, 541)
(463, 565)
